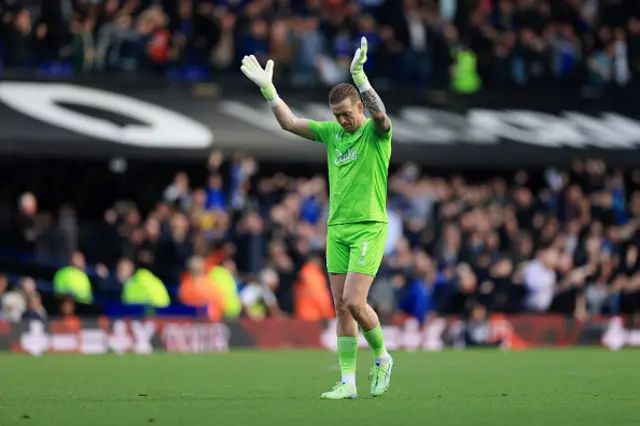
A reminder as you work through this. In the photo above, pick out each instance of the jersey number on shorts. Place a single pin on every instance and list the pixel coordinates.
(364, 253)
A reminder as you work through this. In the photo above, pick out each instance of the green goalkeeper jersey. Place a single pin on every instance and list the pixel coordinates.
(358, 170)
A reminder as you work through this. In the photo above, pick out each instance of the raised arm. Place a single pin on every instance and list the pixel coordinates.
(370, 98)
(289, 122)
(263, 78)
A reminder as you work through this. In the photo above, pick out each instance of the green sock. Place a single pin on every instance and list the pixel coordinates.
(347, 354)
(376, 341)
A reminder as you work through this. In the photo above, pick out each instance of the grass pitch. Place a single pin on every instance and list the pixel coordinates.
(474, 388)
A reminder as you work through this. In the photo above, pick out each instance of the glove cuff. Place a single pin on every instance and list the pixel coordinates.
(360, 78)
(269, 92)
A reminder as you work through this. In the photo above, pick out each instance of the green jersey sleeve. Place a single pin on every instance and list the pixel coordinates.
(385, 137)
(321, 130)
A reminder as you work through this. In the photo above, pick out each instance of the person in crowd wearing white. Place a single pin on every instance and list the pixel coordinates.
(540, 280)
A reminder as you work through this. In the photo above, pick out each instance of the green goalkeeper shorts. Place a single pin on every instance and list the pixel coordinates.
(356, 247)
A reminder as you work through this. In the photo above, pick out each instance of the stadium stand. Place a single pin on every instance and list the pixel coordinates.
(562, 240)
(564, 44)
(555, 241)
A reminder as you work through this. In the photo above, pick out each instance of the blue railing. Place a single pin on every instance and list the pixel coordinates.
(112, 307)
(9, 254)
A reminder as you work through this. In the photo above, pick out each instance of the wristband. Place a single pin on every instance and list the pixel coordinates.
(273, 102)
(360, 78)
(364, 87)
(269, 92)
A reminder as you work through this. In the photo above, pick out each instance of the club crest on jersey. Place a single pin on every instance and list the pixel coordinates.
(345, 157)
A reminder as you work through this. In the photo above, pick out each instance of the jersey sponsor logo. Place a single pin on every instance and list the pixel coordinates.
(343, 158)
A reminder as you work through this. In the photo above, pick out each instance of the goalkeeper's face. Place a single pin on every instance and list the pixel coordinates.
(349, 114)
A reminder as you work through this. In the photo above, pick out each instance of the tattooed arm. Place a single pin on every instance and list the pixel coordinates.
(369, 96)
(376, 108)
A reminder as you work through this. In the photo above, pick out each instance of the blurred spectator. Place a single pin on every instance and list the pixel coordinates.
(255, 40)
(146, 251)
(124, 271)
(35, 310)
(174, 249)
(22, 302)
(215, 197)
(416, 296)
(540, 280)
(601, 66)
(224, 278)
(67, 314)
(548, 241)
(223, 54)
(73, 280)
(258, 298)
(566, 53)
(24, 233)
(313, 301)
(251, 243)
(310, 44)
(82, 49)
(13, 307)
(562, 44)
(633, 51)
(144, 288)
(21, 39)
(281, 50)
(282, 263)
(395, 231)
(502, 293)
(12, 304)
(115, 44)
(51, 242)
(198, 290)
(178, 193)
(27, 288)
(4, 285)
(68, 230)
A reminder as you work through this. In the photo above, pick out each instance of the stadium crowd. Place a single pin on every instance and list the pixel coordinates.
(564, 43)
(242, 242)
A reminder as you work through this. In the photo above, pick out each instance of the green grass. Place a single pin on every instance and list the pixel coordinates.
(473, 388)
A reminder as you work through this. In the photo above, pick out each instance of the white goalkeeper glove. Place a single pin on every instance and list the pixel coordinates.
(357, 65)
(263, 78)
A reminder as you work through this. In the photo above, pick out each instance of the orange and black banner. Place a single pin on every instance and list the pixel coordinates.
(103, 335)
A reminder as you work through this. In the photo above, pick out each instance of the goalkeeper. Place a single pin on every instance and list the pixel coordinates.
(358, 154)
